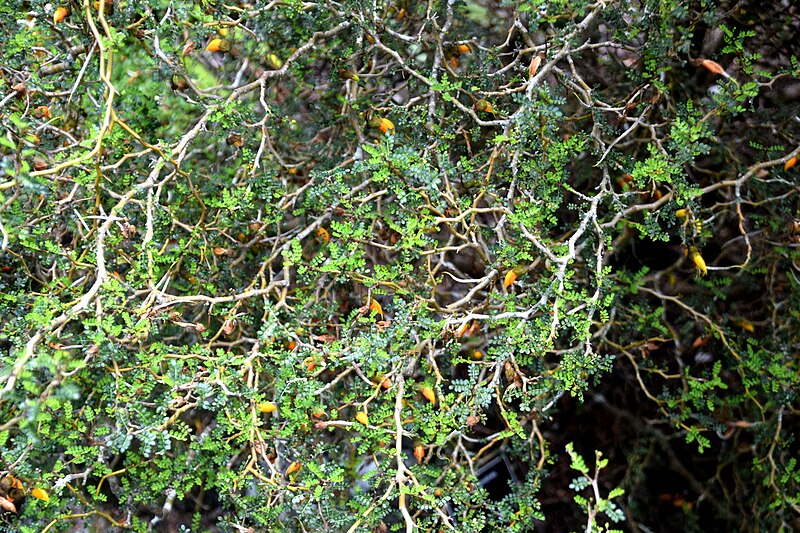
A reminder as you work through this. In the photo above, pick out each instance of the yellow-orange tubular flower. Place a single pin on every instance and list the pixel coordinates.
(40, 494)
(428, 393)
(483, 106)
(697, 259)
(267, 407)
(383, 124)
(218, 45)
(375, 306)
(510, 278)
(59, 14)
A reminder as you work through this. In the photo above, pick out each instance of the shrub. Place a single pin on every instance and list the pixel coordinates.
(298, 266)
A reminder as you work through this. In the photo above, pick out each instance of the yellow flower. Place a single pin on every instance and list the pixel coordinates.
(218, 45)
(40, 494)
(267, 407)
(697, 259)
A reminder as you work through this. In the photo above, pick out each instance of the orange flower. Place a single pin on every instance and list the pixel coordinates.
(462, 329)
(713, 67)
(483, 106)
(218, 45)
(375, 306)
(294, 467)
(428, 393)
(419, 452)
(59, 14)
(42, 112)
(383, 124)
(510, 278)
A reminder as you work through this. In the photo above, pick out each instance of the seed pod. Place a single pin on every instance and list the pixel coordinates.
(535, 64)
(323, 234)
(508, 370)
(790, 163)
(59, 14)
(218, 45)
(188, 48)
(362, 417)
(680, 213)
(428, 393)
(293, 467)
(7, 505)
(267, 407)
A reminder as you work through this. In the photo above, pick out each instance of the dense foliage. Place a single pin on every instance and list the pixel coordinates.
(349, 266)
